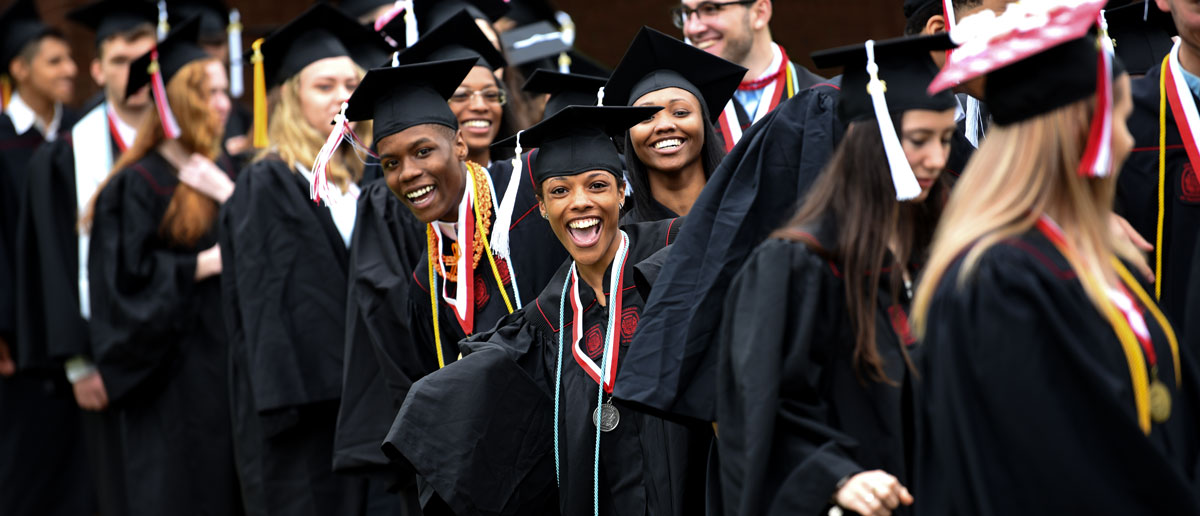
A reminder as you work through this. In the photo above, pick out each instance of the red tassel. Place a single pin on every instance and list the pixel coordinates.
(159, 89)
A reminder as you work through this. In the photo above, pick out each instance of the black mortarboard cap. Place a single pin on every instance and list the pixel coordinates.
(1043, 82)
(111, 17)
(213, 16)
(320, 32)
(565, 89)
(404, 96)
(905, 67)
(457, 38)
(655, 61)
(912, 6)
(525, 12)
(358, 8)
(1141, 35)
(179, 48)
(532, 42)
(578, 139)
(19, 26)
(432, 13)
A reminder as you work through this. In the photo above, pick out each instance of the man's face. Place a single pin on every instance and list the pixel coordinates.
(111, 69)
(51, 72)
(726, 31)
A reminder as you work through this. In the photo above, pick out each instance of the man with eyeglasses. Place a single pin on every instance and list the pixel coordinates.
(738, 31)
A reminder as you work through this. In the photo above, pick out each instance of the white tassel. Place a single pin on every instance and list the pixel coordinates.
(410, 24)
(600, 96)
(395, 59)
(948, 6)
(236, 85)
(500, 244)
(322, 189)
(903, 178)
(163, 26)
(566, 29)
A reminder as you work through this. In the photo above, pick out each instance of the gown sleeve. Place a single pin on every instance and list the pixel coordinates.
(780, 452)
(1026, 405)
(672, 363)
(479, 430)
(140, 287)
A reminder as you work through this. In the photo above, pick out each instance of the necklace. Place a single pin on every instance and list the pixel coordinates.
(605, 419)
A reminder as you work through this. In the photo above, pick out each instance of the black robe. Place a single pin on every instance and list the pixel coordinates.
(40, 426)
(160, 346)
(48, 306)
(1137, 194)
(1025, 404)
(501, 399)
(794, 416)
(536, 253)
(284, 280)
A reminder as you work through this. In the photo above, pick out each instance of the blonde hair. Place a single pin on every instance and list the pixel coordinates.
(293, 140)
(191, 213)
(1020, 172)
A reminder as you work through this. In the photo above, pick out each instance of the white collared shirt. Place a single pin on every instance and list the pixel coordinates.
(343, 208)
(23, 118)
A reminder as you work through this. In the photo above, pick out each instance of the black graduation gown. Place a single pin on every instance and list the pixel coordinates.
(755, 190)
(48, 308)
(160, 346)
(504, 413)
(46, 470)
(536, 253)
(284, 278)
(794, 416)
(1025, 401)
(1137, 194)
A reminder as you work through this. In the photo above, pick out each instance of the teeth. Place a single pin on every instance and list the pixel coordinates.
(419, 192)
(705, 44)
(583, 224)
(668, 143)
(482, 124)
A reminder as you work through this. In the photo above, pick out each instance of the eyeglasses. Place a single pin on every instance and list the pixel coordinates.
(491, 96)
(707, 11)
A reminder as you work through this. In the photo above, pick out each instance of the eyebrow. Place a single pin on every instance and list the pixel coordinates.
(648, 103)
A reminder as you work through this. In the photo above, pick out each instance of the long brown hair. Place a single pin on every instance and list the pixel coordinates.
(1021, 171)
(856, 195)
(191, 213)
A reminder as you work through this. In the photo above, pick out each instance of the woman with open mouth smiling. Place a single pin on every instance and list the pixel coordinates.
(565, 346)
(813, 345)
(670, 155)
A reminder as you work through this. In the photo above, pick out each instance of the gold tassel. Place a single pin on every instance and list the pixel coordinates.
(260, 96)
(5, 91)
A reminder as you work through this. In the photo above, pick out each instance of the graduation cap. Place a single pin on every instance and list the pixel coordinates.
(457, 38)
(320, 32)
(1053, 41)
(536, 41)
(656, 61)
(1141, 35)
(565, 89)
(525, 12)
(111, 17)
(19, 26)
(420, 17)
(160, 64)
(881, 78)
(574, 140)
(213, 16)
(359, 8)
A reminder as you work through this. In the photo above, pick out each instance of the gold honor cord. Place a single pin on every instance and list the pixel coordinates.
(431, 243)
(1162, 176)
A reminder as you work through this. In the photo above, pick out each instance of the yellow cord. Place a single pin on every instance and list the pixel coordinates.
(1158, 316)
(1162, 178)
(788, 74)
(5, 91)
(431, 243)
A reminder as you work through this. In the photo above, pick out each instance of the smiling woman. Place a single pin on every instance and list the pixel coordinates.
(670, 155)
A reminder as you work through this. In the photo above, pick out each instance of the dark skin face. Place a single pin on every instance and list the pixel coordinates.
(583, 211)
(423, 166)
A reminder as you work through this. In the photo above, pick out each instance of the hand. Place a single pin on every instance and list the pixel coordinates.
(90, 393)
(873, 493)
(1122, 231)
(200, 173)
(7, 367)
(208, 262)
(237, 145)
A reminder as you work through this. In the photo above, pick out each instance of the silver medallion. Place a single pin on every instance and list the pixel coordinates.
(606, 417)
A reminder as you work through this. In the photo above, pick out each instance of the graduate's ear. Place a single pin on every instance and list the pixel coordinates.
(1163, 5)
(95, 71)
(761, 14)
(19, 69)
(934, 25)
(460, 146)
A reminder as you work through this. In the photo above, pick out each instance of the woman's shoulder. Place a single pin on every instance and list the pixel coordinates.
(1027, 262)
(150, 174)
